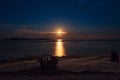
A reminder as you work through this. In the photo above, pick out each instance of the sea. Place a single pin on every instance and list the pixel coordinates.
(37, 48)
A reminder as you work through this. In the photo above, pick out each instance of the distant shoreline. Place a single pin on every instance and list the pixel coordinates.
(53, 40)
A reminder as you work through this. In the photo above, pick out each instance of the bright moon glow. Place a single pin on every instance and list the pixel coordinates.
(59, 32)
(59, 49)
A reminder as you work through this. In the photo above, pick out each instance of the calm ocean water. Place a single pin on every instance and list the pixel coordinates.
(83, 48)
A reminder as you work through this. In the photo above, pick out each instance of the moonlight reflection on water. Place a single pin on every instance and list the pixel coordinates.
(59, 48)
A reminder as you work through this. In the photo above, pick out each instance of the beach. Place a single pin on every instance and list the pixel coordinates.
(59, 39)
(70, 68)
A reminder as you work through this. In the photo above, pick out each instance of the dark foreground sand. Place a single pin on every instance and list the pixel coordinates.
(85, 68)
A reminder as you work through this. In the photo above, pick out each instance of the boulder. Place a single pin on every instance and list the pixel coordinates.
(114, 56)
(48, 62)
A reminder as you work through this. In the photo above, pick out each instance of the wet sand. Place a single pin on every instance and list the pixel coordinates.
(84, 68)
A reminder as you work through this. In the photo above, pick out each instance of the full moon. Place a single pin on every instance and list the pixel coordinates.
(59, 32)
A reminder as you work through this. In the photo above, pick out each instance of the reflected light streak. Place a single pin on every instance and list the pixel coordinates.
(59, 48)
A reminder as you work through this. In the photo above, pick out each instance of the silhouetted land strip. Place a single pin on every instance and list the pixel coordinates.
(54, 40)
(30, 39)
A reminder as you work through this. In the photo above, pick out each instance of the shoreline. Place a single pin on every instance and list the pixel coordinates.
(89, 68)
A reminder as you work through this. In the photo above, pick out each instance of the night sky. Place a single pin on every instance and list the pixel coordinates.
(89, 18)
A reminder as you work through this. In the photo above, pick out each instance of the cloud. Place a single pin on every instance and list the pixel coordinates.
(23, 33)
(13, 27)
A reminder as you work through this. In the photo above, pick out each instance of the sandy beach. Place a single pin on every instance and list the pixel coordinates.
(83, 68)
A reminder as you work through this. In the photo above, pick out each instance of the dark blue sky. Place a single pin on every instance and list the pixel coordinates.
(73, 15)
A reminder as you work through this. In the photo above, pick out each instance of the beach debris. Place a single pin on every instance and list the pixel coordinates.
(48, 62)
(114, 56)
